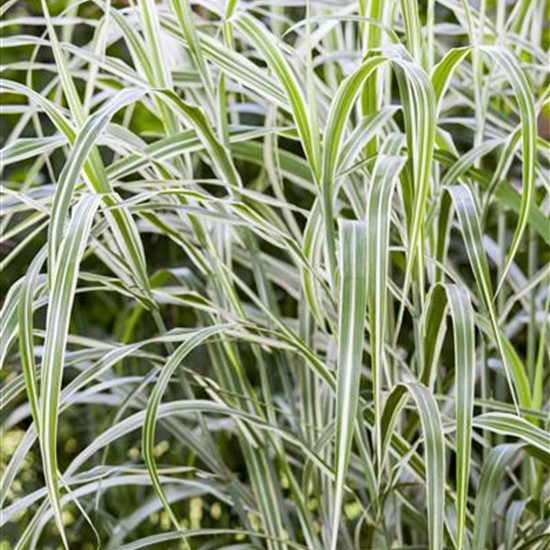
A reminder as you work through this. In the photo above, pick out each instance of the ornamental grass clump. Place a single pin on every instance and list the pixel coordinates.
(275, 275)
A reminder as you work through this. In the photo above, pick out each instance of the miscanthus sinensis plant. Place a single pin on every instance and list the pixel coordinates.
(275, 274)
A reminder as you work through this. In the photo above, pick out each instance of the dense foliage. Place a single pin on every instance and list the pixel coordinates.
(275, 274)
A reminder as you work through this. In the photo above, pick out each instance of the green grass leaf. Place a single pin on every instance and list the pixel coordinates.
(352, 312)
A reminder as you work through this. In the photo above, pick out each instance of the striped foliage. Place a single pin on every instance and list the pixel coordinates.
(275, 275)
